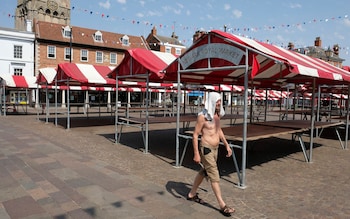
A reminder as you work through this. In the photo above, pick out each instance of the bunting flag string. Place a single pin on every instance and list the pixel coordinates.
(243, 31)
(233, 30)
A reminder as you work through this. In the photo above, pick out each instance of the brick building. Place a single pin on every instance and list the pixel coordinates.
(55, 43)
(165, 44)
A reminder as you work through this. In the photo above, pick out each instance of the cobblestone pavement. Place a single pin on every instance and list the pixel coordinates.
(47, 171)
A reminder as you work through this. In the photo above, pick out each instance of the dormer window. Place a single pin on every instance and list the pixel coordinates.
(98, 36)
(125, 40)
(67, 32)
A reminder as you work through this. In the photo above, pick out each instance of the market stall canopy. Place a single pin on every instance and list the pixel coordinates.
(46, 75)
(16, 81)
(267, 63)
(84, 74)
(346, 68)
(225, 88)
(269, 94)
(141, 62)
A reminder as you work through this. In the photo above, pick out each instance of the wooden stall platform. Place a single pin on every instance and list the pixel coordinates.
(141, 123)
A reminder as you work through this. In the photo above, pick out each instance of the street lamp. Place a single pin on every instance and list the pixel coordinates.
(70, 45)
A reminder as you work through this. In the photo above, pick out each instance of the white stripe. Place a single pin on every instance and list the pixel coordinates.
(91, 74)
(167, 58)
(260, 47)
(308, 71)
(209, 87)
(8, 80)
(31, 81)
(48, 73)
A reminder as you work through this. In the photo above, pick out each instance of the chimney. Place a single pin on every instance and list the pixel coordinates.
(154, 31)
(336, 49)
(290, 46)
(174, 36)
(197, 35)
(318, 42)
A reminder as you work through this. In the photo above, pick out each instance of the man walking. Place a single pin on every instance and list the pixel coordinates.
(208, 126)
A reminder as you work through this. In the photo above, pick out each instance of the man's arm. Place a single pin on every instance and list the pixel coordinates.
(196, 133)
(223, 140)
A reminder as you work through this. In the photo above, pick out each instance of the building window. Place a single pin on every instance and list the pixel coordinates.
(113, 58)
(67, 55)
(67, 32)
(99, 57)
(84, 55)
(51, 52)
(17, 52)
(98, 36)
(125, 40)
(17, 71)
(168, 49)
(177, 51)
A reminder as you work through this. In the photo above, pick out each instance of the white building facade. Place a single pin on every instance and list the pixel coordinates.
(17, 57)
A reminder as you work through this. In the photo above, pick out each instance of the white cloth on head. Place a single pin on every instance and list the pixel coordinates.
(210, 105)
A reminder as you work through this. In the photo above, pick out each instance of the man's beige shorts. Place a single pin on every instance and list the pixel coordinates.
(209, 156)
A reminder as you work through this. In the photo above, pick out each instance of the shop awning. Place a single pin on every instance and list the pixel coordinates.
(16, 81)
(143, 62)
(46, 75)
(84, 74)
(225, 88)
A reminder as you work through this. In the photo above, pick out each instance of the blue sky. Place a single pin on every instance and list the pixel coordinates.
(278, 22)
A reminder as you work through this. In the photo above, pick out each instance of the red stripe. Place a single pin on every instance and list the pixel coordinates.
(20, 81)
(148, 60)
(140, 61)
(71, 70)
(104, 71)
(41, 79)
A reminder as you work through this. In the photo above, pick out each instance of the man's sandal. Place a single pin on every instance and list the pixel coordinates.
(195, 199)
(227, 211)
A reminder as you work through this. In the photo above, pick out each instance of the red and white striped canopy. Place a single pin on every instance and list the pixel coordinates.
(278, 94)
(340, 96)
(77, 88)
(144, 84)
(346, 68)
(270, 94)
(125, 88)
(46, 75)
(143, 62)
(16, 81)
(84, 74)
(269, 65)
(223, 87)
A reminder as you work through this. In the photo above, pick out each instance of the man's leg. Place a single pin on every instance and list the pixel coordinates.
(217, 191)
(197, 181)
(225, 210)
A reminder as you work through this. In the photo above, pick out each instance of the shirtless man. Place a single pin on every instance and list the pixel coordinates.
(208, 126)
